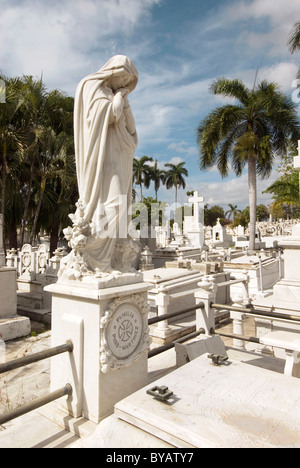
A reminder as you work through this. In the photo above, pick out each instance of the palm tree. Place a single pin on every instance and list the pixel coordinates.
(54, 160)
(11, 142)
(251, 132)
(294, 38)
(141, 172)
(233, 211)
(59, 198)
(45, 113)
(157, 176)
(174, 177)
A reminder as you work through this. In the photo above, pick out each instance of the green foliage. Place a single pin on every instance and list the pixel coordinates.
(257, 126)
(142, 173)
(294, 38)
(212, 214)
(254, 130)
(36, 156)
(233, 211)
(243, 218)
(175, 176)
(157, 176)
(285, 190)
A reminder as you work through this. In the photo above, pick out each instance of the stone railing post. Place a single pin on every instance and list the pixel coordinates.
(162, 302)
(12, 259)
(205, 317)
(245, 287)
(239, 317)
(238, 327)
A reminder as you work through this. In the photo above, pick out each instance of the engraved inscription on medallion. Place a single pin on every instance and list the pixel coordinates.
(124, 331)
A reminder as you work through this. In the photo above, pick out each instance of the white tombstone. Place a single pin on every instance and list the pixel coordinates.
(161, 236)
(194, 225)
(11, 325)
(27, 262)
(196, 201)
(218, 232)
(240, 230)
(176, 229)
(220, 236)
(42, 259)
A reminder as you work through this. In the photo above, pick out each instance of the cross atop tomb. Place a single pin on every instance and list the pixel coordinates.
(196, 200)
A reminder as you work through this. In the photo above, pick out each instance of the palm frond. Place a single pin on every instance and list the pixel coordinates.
(231, 88)
(294, 38)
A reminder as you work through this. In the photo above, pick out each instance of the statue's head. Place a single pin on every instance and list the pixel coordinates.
(120, 72)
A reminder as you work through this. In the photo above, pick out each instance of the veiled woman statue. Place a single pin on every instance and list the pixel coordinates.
(105, 141)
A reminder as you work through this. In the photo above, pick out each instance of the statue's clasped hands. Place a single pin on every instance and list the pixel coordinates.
(121, 97)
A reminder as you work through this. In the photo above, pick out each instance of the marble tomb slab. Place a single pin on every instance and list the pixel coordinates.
(234, 405)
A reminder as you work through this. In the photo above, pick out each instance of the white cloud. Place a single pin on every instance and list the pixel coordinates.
(218, 191)
(281, 14)
(183, 147)
(175, 160)
(65, 40)
(154, 123)
(283, 74)
(279, 11)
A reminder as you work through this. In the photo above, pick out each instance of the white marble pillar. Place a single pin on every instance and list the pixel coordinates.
(162, 302)
(110, 333)
(205, 317)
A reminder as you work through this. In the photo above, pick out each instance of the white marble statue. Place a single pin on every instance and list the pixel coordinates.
(105, 141)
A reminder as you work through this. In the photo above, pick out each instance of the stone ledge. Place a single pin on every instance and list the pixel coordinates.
(14, 327)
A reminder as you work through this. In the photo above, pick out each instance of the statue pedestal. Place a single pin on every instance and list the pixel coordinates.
(109, 331)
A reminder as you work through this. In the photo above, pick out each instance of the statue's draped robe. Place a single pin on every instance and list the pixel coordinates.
(104, 153)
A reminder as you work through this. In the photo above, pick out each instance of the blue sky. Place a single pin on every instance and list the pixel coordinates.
(179, 48)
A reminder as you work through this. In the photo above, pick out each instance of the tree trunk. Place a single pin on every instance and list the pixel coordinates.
(252, 199)
(13, 237)
(54, 239)
(37, 213)
(26, 208)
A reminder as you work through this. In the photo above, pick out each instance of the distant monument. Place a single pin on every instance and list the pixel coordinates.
(194, 225)
(105, 141)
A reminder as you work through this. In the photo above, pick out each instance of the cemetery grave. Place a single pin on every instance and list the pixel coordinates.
(137, 358)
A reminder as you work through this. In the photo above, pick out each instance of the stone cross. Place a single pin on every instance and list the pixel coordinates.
(196, 200)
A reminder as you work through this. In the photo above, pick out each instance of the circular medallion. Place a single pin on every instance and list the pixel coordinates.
(124, 331)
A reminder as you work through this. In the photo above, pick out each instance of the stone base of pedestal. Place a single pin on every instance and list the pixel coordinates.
(110, 333)
(174, 331)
